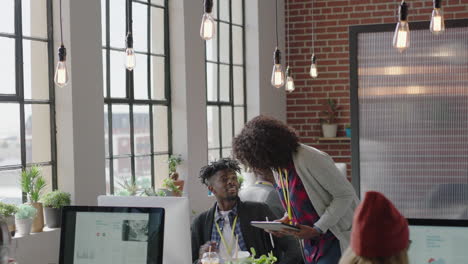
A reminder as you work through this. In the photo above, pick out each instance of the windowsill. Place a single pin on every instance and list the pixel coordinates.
(42, 247)
(38, 235)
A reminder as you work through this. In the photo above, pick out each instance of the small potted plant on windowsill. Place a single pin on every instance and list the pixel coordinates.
(8, 212)
(329, 127)
(173, 162)
(128, 188)
(32, 183)
(170, 188)
(24, 219)
(53, 203)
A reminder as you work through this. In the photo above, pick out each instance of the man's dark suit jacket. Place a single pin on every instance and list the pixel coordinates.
(285, 248)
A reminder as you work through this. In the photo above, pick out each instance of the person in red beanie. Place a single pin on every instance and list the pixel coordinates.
(380, 234)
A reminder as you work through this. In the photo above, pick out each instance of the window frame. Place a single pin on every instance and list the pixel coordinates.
(218, 104)
(18, 97)
(129, 99)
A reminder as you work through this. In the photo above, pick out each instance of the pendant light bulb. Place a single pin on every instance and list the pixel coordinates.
(130, 58)
(61, 72)
(289, 81)
(401, 36)
(437, 25)
(313, 67)
(277, 76)
(208, 26)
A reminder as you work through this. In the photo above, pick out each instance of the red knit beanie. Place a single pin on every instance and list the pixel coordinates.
(379, 230)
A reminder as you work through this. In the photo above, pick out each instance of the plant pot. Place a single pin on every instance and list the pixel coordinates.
(53, 217)
(23, 226)
(329, 130)
(166, 191)
(348, 132)
(38, 221)
(10, 221)
(179, 183)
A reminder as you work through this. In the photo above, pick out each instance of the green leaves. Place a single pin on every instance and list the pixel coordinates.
(32, 183)
(8, 209)
(173, 162)
(25, 211)
(56, 199)
(263, 259)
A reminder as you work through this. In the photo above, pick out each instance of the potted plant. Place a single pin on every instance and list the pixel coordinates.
(348, 130)
(152, 192)
(8, 212)
(329, 127)
(170, 188)
(173, 162)
(129, 188)
(53, 203)
(24, 219)
(32, 183)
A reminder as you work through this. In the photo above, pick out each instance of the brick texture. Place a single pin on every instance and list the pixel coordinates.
(330, 20)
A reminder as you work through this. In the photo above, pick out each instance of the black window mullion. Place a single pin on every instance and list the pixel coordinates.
(220, 131)
(149, 97)
(109, 105)
(244, 61)
(53, 128)
(167, 74)
(231, 68)
(19, 82)
(131, 96)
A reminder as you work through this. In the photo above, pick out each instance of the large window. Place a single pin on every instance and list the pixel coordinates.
(225, 77)
(27, 120)
(137, 103)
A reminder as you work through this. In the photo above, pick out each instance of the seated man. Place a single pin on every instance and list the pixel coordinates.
(263, 191)
(217, 228)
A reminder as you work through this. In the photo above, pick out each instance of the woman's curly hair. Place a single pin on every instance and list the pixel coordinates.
(265, 143)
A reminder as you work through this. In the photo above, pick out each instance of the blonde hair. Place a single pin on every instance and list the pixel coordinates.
(349, 257)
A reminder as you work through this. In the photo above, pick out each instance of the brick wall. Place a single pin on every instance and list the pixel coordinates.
(332, 19)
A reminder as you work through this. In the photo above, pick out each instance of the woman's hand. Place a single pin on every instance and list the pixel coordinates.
(305, 232)
(284, 220)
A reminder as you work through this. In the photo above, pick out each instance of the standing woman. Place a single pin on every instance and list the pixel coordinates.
(315, 195)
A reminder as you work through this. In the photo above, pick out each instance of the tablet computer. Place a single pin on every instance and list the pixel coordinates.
(274, 226)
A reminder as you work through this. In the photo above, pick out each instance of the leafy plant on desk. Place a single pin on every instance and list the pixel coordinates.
(263, 259)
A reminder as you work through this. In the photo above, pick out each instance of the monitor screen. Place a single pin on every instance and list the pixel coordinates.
(177, 225)
(111, 235)
(438, 241)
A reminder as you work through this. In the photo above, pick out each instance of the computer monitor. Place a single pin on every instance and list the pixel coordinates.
(177, 238)
(438, 241)
(111, 235)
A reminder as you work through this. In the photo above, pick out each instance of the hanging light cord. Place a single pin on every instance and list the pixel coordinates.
(128, 16)
(313, 22)
(288, 32)
(276, 19)
(61, 27)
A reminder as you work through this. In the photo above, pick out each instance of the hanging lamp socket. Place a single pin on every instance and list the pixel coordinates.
(62, 53)
(403, 11)
(129, 40)
(208, 6)
(277, 56)
(437, 3)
